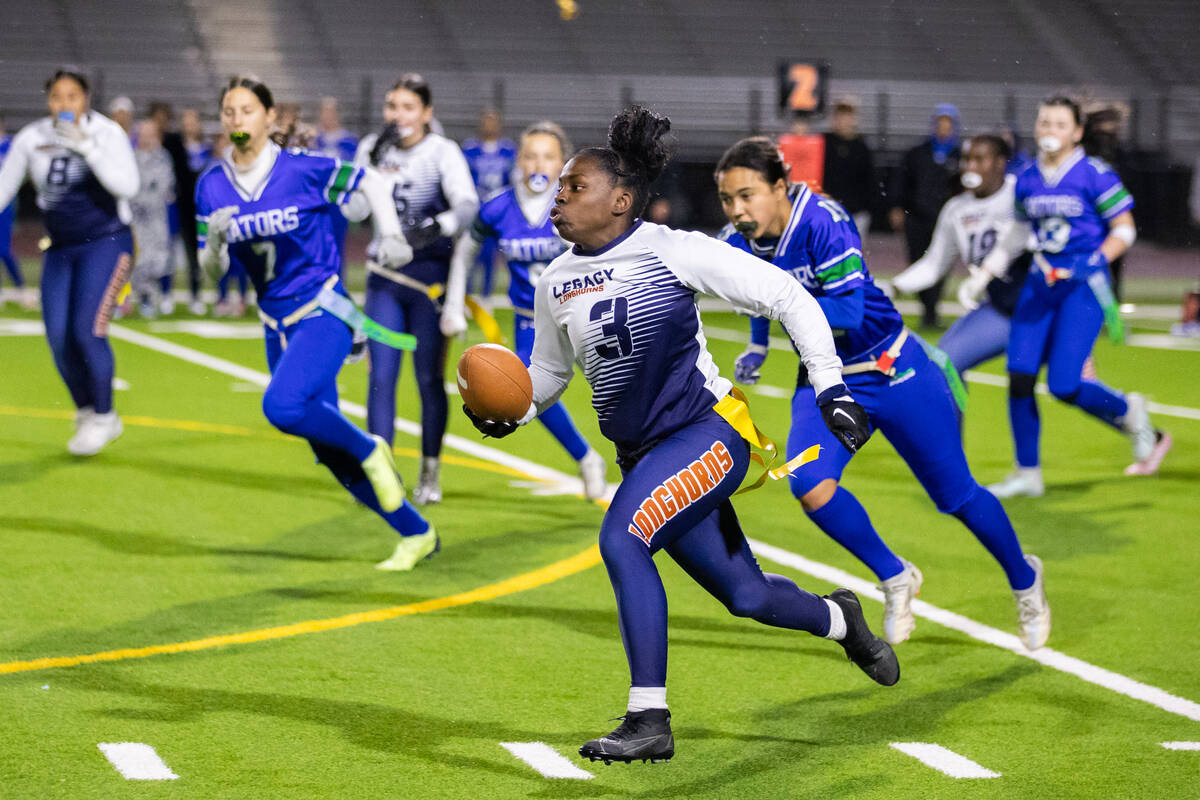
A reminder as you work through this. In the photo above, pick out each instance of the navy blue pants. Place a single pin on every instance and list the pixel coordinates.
(979, 336)
(676, 498)
(7, 217)
(402, 308)
(79, 289)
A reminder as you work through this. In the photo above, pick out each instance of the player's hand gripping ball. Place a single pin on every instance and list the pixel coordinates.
(495, 388)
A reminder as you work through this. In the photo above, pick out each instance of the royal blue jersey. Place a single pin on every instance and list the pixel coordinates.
(282, 233)
(1071, 207)
(820, 247)
(340, 144)
(528, 245)
(491, 163)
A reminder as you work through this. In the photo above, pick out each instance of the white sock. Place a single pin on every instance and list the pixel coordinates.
(644, 697)
(837, 622)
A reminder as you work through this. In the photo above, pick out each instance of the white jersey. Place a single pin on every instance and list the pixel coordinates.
(83, 199)
(968, 227)
(430, 179)
(627, 315)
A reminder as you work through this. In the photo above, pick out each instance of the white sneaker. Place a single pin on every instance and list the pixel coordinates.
(1033, 611)
(1138, 427)
(898, 593)
(592, 469)
(198, 307)
(410, 551)
(429, 490)
(94, 432)
(1026, 481)
(380, 469)
(29, 298)
(82, 415)
(166, 305)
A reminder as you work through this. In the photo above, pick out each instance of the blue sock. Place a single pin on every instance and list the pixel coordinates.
(846, 522)
(405, 520)
(1026, 428)
(558, 422)
(985, 518)
(1101, 402)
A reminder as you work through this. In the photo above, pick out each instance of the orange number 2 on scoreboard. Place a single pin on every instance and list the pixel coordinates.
(803, 78)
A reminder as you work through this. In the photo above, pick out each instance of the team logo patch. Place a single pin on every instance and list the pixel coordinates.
(680, 491)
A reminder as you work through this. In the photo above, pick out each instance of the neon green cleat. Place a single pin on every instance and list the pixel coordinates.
(411, 550)
(380, 469)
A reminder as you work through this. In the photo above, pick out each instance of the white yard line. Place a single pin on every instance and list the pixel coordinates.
(1181, 745)
(984, 633)
(546, 760)
(137, 761)
(1007, 641)
(943, 760)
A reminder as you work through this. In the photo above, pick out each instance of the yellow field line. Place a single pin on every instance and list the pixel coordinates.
(520, 583)
(197, 426)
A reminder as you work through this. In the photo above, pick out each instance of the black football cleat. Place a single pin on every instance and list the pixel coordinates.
(641, 736)
(873, 655)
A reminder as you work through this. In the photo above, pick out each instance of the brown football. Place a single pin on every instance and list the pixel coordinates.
(494, 383)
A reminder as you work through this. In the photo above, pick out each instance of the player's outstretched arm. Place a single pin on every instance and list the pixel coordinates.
(454, 319)
(721, 270)
(934, 264)
(393, 250)
(16, 163)
(552, 362)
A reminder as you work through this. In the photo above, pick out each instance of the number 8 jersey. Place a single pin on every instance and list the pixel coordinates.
(627, 315)
(282, 232)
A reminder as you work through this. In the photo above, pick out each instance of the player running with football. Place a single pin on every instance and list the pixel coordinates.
(435, 198)
(905, 393)
(517, 220)
(271, 210)
(85, 173)
(622, 304)
(1081, 215)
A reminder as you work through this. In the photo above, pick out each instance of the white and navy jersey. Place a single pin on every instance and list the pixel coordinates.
(1071, 206)
(967, 229)
(83, 199)
(282, 231)
(525, 236)
(627, 315)
(430, 179)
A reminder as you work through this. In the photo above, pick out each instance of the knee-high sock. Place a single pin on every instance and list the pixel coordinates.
(405, 520)
(985, 518)
(845, 521)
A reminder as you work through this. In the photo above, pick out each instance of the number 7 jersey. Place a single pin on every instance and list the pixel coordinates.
(283, 231)
(627, 315)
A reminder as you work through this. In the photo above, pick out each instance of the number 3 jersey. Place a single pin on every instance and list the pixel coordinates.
(821, 249)
(627, 315)
(528, 245)
(283, 229)
(1071, 206)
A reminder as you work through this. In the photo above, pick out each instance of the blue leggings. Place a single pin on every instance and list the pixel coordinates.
(79, 289)
(977, 337)
(1056, 326)
(916, 412)
(676, 497)
(404, 309)
(302, 400)
(555, 418)
(7, 217)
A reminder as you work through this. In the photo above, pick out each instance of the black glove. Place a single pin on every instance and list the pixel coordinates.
(423, 234)
(846, 419)
(489, 427)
